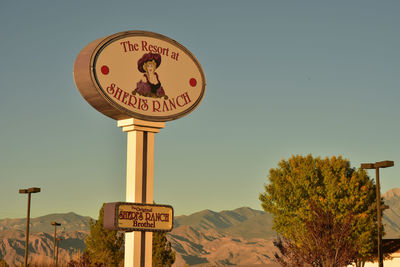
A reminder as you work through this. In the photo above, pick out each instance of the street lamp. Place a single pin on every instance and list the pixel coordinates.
(28, 191)
(377, 166)
(55, 240)
(58, 245)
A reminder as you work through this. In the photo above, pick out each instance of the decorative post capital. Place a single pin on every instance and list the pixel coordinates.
(133, 124)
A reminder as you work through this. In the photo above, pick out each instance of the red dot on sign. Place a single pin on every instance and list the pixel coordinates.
(105, 70)
(193, 82)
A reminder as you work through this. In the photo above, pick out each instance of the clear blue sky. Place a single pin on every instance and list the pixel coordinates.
(283, 78)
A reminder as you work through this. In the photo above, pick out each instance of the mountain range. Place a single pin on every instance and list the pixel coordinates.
(238, 237)
(73, 230)
(207, 238)
(391, 216)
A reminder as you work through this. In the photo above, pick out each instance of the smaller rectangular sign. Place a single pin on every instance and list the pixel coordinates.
(128, 217)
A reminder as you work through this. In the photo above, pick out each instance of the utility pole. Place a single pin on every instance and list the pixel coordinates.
(55, 240)
(28, 191)
(58, 246)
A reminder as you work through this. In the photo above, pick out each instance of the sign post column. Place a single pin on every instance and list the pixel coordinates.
(139, 184)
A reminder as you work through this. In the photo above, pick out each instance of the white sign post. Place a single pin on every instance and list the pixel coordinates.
(141, 79)
(139, 183)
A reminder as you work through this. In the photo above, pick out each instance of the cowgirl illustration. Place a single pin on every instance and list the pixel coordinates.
(149, 85)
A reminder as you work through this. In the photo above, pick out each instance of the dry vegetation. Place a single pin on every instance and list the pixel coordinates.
(47, 261)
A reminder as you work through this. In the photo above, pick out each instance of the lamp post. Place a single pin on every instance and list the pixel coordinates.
(377, 166)
(58, 245)
(55, 240)
(28, 191)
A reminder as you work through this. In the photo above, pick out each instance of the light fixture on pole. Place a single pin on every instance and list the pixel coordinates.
(55, 240)
(377, 166)
(28, 191)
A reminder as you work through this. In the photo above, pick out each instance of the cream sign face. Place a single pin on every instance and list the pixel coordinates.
(147, 218)
(141, 75)
(124, 216)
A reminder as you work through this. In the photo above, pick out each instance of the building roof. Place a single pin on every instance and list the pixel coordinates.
(391, 245)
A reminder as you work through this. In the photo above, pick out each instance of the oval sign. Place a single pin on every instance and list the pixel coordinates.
(139, 74)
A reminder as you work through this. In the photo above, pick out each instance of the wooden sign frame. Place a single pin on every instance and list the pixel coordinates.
(126, 103)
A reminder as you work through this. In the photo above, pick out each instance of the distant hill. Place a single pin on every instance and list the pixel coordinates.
(12, 245)
(239, 237)
(243, 222)
(206, 238)
(69, 222)
(73, 230)
(391, 216)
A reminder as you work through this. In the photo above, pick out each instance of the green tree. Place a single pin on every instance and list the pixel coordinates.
(327, 240)
(163, 256)
(335, 189)
(82, 261)
(104, 247)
